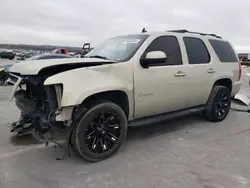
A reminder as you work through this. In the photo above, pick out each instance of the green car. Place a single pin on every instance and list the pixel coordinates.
(7, 54)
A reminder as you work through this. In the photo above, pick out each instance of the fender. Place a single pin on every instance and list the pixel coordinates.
(78, 84)
(215, 79)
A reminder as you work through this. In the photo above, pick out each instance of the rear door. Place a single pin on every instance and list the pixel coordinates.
(200, 71)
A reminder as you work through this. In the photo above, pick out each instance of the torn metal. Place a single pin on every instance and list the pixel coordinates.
(242, 98)
(37, 105)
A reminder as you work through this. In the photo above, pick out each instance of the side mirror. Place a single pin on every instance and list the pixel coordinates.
(152, 58)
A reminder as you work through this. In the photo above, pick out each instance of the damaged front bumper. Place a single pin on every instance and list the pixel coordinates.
(39, 106)
(16, 84)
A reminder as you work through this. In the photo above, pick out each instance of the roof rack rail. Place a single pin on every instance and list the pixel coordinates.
(186, 31)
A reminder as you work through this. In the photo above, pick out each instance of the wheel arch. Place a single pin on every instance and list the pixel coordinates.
(227, 82)
(118, 97)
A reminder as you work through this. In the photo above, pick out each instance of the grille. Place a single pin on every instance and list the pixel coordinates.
(12, 79)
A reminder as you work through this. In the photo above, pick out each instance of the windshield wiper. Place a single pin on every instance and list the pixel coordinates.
(97, 56)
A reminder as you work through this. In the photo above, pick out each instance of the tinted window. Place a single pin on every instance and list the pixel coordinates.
(196, 50)
(223, 50)
(169, 45)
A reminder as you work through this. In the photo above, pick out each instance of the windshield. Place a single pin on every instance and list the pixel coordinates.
(120, 48)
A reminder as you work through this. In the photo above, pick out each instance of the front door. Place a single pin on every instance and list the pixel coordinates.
(163, 87)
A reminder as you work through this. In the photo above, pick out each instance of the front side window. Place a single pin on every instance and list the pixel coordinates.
(120, 48)
(196, 50)
(170, 46)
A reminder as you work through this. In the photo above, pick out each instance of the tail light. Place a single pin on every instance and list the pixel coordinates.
(240, 71)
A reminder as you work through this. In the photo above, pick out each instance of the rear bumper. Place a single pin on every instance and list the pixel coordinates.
(236, 88)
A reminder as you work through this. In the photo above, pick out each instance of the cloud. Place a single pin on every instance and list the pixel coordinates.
(65, 22)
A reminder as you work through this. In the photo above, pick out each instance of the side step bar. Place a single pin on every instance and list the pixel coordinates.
(164, 117)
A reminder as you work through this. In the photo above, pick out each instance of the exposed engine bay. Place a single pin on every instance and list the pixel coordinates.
(41, 111)
(37, 104)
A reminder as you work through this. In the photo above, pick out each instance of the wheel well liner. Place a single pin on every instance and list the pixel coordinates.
(225, 82)
(116, 96)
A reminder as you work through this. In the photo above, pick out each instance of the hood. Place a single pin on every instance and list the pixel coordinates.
(6, 65)
(34, 67)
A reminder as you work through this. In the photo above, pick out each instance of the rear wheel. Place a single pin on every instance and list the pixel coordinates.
(218, 104)
(100, 131)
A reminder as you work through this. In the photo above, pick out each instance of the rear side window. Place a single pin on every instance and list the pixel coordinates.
(169, 45)
(196, 50)
(223, 50)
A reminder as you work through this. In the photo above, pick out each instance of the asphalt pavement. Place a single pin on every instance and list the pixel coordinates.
(188, 152)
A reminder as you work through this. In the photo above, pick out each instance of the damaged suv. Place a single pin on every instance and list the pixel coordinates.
(128, 80)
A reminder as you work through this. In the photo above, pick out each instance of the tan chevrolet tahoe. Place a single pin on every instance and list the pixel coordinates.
(129, 80)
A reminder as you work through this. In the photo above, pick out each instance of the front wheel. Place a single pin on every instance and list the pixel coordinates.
(218, 104)
(100, 132)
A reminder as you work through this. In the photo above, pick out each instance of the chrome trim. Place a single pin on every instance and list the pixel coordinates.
(15, 87)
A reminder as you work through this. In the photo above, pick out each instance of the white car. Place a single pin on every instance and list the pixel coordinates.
(128, 80)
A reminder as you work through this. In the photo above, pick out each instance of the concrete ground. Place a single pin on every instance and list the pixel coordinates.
(188, 152)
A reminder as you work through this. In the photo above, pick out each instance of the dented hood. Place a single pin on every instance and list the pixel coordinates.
(34, 67)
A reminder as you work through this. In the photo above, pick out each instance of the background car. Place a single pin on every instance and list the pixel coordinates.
(60, 51)
(25, 55)
(7, 54)
(244, 58)
(85, 49)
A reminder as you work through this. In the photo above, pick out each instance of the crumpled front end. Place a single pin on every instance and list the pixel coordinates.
(37, 104)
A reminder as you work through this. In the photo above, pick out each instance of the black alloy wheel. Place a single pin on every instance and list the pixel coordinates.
(100, 132)
(222, 104)
(103, 132)
(218, 104)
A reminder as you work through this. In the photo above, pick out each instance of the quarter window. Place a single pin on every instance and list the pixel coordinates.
(223, 50)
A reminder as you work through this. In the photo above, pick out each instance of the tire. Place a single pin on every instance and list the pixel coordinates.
(100, 132)
(218, 104)
(72, 140)
(76, 118)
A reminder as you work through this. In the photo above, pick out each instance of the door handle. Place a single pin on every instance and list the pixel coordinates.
(211, 70)
(180, 74)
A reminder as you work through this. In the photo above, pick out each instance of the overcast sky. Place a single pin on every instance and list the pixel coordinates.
(73, 22)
